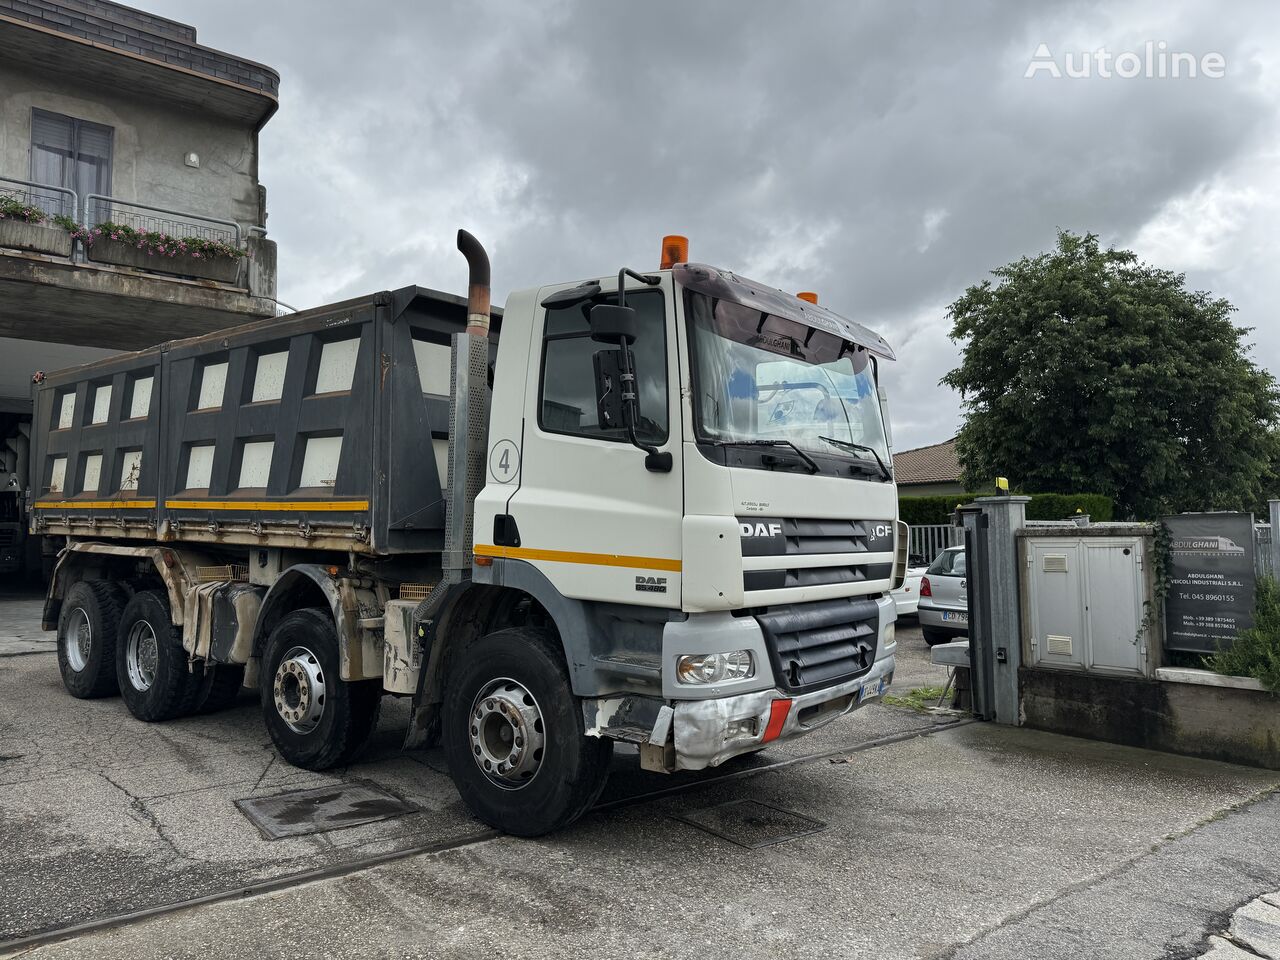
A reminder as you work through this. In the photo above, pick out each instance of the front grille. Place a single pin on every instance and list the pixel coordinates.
(8, 537)
(816, 645)
(814, 576)
(790, 536)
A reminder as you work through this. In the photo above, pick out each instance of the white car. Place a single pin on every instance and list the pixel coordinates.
(907, 597)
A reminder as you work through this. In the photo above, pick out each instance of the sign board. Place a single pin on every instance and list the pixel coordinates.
(1211, 580)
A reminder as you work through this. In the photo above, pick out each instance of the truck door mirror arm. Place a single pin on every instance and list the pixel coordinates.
(617, 399)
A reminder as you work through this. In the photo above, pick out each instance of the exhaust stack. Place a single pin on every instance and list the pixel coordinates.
(477, 284)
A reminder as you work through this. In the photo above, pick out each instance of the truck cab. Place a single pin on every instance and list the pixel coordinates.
(736, 589)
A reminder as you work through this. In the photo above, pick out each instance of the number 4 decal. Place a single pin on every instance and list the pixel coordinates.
(504, 461)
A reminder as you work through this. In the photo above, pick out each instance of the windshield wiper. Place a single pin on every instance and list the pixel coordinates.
(850, 445)
(808, 460)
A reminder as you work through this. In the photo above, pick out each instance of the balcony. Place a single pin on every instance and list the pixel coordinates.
(109, 272)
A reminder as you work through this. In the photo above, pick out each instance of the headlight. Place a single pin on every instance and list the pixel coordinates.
(715, 667)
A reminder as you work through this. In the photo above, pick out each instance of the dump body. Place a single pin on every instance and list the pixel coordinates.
(321, 430)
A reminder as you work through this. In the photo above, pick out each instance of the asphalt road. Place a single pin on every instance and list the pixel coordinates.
(937, 839)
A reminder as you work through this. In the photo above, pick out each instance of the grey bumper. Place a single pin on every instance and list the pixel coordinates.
(709, 732)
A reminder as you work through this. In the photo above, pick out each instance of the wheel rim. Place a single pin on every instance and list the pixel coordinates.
(79, 639)
(298, 690)
(142, 653)
(507, 734)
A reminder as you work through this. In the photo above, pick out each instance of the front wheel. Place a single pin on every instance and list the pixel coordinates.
(315, 719)
(513, 737)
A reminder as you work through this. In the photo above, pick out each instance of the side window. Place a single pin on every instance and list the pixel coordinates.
(567, 400)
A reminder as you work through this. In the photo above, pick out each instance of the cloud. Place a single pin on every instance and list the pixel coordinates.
(886, 156)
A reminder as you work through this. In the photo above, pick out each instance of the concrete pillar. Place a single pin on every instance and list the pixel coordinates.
(1005, 517)
(1274, 506)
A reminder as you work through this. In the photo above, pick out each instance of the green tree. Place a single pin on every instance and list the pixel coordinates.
(1086, 370)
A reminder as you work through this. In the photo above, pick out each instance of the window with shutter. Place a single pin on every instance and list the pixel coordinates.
(66, 152)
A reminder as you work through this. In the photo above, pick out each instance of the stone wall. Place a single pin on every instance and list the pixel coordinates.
(1229, 723)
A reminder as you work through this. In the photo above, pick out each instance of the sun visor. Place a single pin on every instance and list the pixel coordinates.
(724, 285)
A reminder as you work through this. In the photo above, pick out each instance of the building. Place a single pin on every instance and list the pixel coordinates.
(928, 471)
(110, 115)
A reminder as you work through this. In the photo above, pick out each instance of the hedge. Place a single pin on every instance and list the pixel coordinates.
(918, 511)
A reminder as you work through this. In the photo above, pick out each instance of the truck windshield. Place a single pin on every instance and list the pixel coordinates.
(760, 377)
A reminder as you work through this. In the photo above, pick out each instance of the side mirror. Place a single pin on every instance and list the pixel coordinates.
(611, 323)
(609, 402)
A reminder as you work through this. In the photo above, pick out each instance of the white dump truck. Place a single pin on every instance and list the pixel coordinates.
(654, 507)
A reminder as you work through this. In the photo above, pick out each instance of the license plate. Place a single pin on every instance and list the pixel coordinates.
(955, 617)
(870, 689)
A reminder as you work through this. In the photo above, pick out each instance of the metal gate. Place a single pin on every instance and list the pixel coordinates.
(930, 539)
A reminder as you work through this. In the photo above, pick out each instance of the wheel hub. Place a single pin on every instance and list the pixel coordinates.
(79, 639)
(299, 690)
(506, 733)
(142, 655)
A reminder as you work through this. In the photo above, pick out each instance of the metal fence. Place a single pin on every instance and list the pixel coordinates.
(51, 201)
(1262, 550)
(930, 539)
(149, 219)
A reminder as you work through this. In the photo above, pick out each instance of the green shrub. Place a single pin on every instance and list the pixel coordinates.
(918, 511)
(1256, 652)
(1063, 506)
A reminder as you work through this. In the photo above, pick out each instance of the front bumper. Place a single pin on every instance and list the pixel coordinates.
(709, 732)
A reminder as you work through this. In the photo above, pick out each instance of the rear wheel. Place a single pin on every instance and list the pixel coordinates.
(933, 636)
(315, 719)
(512, 733)
(151, 666)
(219, 687)
(87, 638)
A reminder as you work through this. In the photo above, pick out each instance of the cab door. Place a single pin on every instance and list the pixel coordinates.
(590, 516)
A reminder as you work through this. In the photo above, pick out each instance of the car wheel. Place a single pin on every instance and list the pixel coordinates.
(513, 735)
(151, 666)
(316, 719)
(87, 629)
(933, 636)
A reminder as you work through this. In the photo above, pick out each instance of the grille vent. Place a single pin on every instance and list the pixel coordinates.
(1058, 646)
(1055, 563)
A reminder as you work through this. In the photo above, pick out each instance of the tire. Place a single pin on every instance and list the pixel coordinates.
(328, 720)
(497, 693)
(151, 666)
(219, 687)
(87, 629)
(933, 636)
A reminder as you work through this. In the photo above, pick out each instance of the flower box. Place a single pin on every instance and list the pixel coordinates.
(36, 237)
(121, 254)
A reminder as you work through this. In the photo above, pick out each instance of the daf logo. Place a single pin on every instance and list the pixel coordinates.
(881, 530)
(761, 529)
(651, 584)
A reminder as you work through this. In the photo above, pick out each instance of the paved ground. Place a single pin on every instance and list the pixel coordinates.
(966, 840)
(20, 631)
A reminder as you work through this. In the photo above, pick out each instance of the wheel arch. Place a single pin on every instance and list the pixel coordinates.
(312, 585)
(176, 569)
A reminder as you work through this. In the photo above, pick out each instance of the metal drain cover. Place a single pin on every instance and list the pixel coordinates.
(752, 824)
(300, 812)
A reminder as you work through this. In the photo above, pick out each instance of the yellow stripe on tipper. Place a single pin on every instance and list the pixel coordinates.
(297, 506)
(94, 504)
(573, 556)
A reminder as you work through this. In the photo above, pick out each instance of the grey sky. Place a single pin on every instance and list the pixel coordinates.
(885, 155)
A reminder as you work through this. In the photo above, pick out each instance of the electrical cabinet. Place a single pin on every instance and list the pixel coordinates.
(1085, 596)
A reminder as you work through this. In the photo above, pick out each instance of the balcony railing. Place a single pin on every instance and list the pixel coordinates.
(253, 271)
(149, 219)
(49, 200)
